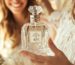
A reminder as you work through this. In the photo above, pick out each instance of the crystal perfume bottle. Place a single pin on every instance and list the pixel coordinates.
(35, 35)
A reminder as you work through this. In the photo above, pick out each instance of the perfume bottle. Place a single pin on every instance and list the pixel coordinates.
(35, 35)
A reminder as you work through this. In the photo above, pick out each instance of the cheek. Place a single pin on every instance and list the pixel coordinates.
(25, 2)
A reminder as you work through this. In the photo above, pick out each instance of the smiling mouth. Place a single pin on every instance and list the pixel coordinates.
(16, 5)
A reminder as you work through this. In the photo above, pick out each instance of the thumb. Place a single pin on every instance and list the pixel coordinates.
(53, 47)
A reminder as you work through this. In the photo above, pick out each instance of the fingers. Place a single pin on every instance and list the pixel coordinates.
(53, 47)
(37, 59)
(34, 57)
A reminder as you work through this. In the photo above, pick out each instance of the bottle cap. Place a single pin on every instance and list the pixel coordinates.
(35, 11)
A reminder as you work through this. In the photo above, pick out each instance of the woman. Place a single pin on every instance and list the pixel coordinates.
(14, 15)
(65, 41)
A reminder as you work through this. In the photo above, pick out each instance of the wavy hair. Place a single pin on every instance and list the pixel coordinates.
(8, 24)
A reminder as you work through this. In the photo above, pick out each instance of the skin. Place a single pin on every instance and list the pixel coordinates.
(58, 59)
(17, 8)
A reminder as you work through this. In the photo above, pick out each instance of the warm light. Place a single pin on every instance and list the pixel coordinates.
(5, 46)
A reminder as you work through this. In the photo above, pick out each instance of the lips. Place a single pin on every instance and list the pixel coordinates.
(16, 5)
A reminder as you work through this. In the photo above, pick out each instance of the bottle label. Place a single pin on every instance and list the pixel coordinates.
(35, 36)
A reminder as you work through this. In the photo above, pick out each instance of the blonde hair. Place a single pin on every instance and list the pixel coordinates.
(8, 24)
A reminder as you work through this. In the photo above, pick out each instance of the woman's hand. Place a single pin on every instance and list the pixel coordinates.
(58, 59)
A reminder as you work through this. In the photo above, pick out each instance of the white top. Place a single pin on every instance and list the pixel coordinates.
(65, 39)
(16, 58)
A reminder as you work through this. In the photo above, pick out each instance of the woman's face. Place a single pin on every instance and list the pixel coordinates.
(16, 6)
